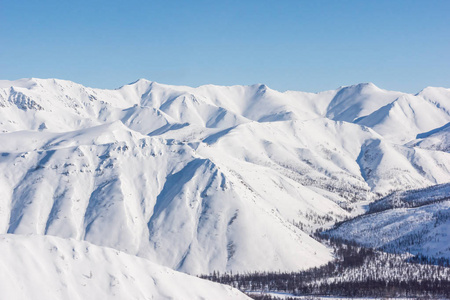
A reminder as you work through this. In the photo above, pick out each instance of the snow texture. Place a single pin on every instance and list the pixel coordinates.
(214, 177)
(38, 267)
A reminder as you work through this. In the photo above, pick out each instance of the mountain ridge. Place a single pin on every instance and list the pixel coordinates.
(222, 178)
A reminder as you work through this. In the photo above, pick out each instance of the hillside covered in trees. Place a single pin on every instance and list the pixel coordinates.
(356, 272)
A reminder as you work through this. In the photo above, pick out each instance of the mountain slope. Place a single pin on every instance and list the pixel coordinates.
(436, 139)
(37, 267)
(146, 196)
(438, 96)
(401, 120)
(357, 101)
(208, 178)
(28, 104)
(414, 221)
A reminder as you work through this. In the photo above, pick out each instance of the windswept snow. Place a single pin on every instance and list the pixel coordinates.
(401, 120)
(214, 177)
(149, 196)
(353, 103)
(38, 267)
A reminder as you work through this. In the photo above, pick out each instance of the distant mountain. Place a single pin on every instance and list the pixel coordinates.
(355, 102)
(209, 178)
(37, 267)
(438, 96)
(404, 118)
(26, 102)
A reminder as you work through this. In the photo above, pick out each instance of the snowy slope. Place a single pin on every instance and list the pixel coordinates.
(438, 96)
(37, 267)
(207, 178)
(413, 221)
(147, 196)
(28, 103)
(436, 139)
(319, 154)
(401, 120)
(357, 101)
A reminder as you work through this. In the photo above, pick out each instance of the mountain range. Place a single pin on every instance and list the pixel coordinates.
(213, 178)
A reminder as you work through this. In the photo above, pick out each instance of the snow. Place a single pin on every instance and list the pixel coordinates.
(408, 115)
(358, 101)
(413, 221)
(213, 177)
(146, 196)
(438, 96)
(436, 139)
(44, 267)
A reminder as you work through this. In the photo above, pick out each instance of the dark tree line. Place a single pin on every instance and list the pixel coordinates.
(268, 297)
(356, 272)
(412, 198)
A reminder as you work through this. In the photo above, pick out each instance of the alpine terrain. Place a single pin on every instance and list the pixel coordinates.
(105, 190)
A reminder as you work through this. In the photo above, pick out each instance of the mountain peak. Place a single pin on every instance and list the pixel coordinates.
(206, 178)
(360, 87)
(140, 81)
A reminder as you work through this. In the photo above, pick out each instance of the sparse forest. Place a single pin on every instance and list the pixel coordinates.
(356, 272)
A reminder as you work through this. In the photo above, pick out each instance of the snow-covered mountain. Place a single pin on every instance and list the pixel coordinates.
(208, 178)
(404, 118)
(148, 196)
(38, 267)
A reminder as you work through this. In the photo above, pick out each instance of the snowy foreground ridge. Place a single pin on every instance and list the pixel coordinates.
(44, 267)
(210, 178)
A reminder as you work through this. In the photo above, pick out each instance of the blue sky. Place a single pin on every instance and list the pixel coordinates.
(296, 45)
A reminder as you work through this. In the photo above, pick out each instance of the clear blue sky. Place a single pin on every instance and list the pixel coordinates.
(298, 45)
